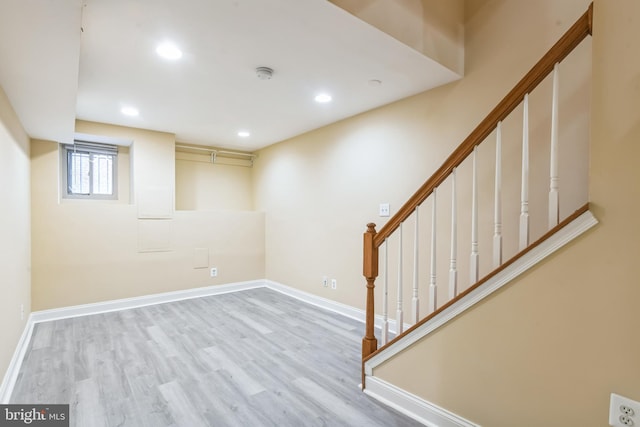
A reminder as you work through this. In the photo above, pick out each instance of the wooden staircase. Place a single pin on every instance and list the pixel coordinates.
(377, 244)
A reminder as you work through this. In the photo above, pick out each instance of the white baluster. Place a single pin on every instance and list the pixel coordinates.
(554, 199)
(474, 267)
(453, 269)
(497, 210)
(384, 336)
(415, 302)
(433, 290)
(524, 195)
(399, 321)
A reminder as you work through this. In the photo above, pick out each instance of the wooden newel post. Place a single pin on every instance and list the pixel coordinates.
(370, 271)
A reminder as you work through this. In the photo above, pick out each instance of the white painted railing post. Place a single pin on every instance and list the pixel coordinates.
(384, 335)
(399, 320)
(554, 199)
(415, 301)
(453, 269)
(524, 194)
(474, 267)
(433, 289)
(497, 215)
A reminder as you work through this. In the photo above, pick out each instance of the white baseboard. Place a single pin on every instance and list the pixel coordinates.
(11, 375)
(127, 303)
(327, 304)
(425, 412)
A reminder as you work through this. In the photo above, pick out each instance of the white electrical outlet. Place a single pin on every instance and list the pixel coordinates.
(334, 284)
(623, 412)
(325, 281)
(214, 272)
(384, 209)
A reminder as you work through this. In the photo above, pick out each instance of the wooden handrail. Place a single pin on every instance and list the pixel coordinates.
(372, 239)
(482, 281)
(572, 38)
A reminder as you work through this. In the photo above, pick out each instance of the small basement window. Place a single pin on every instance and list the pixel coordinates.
(89, 170)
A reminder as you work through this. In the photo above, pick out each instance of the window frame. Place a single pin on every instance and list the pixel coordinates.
(92, 149)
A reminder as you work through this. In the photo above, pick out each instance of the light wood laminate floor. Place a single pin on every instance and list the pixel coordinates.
(250, 358)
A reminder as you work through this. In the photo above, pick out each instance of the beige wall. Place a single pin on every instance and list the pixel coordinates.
(563, 335)
(433, 27)
(89, 251)
(151, 161)
(319, 190)
(443, 33)
(544, 343)
(15, 229)
(202, 185)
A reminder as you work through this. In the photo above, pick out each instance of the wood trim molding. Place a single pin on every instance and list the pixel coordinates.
(11, 375)
(421, 410)
(327, 304)
(563, 47)
(577, 224)
(127, 303)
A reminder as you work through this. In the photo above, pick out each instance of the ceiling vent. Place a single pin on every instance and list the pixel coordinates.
(264, 73)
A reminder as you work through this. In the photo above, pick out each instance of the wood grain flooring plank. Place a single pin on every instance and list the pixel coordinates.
(180, 405)
(252, 358)
(338, 409)
(265, 306)
(350, 334)
(330, 318)
(257, 326)
(85, 409)
(232, 407)
(43, 335)
(151, 407)
(166, 344)
(281, 404)
(154, 359)
(220, 362)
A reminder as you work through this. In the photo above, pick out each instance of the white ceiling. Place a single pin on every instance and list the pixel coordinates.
(39, 51)
(53, 72)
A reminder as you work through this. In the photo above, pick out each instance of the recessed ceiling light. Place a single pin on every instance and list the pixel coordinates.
(323, 98)
(168, 50)
(244, 134)
(130, 111)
